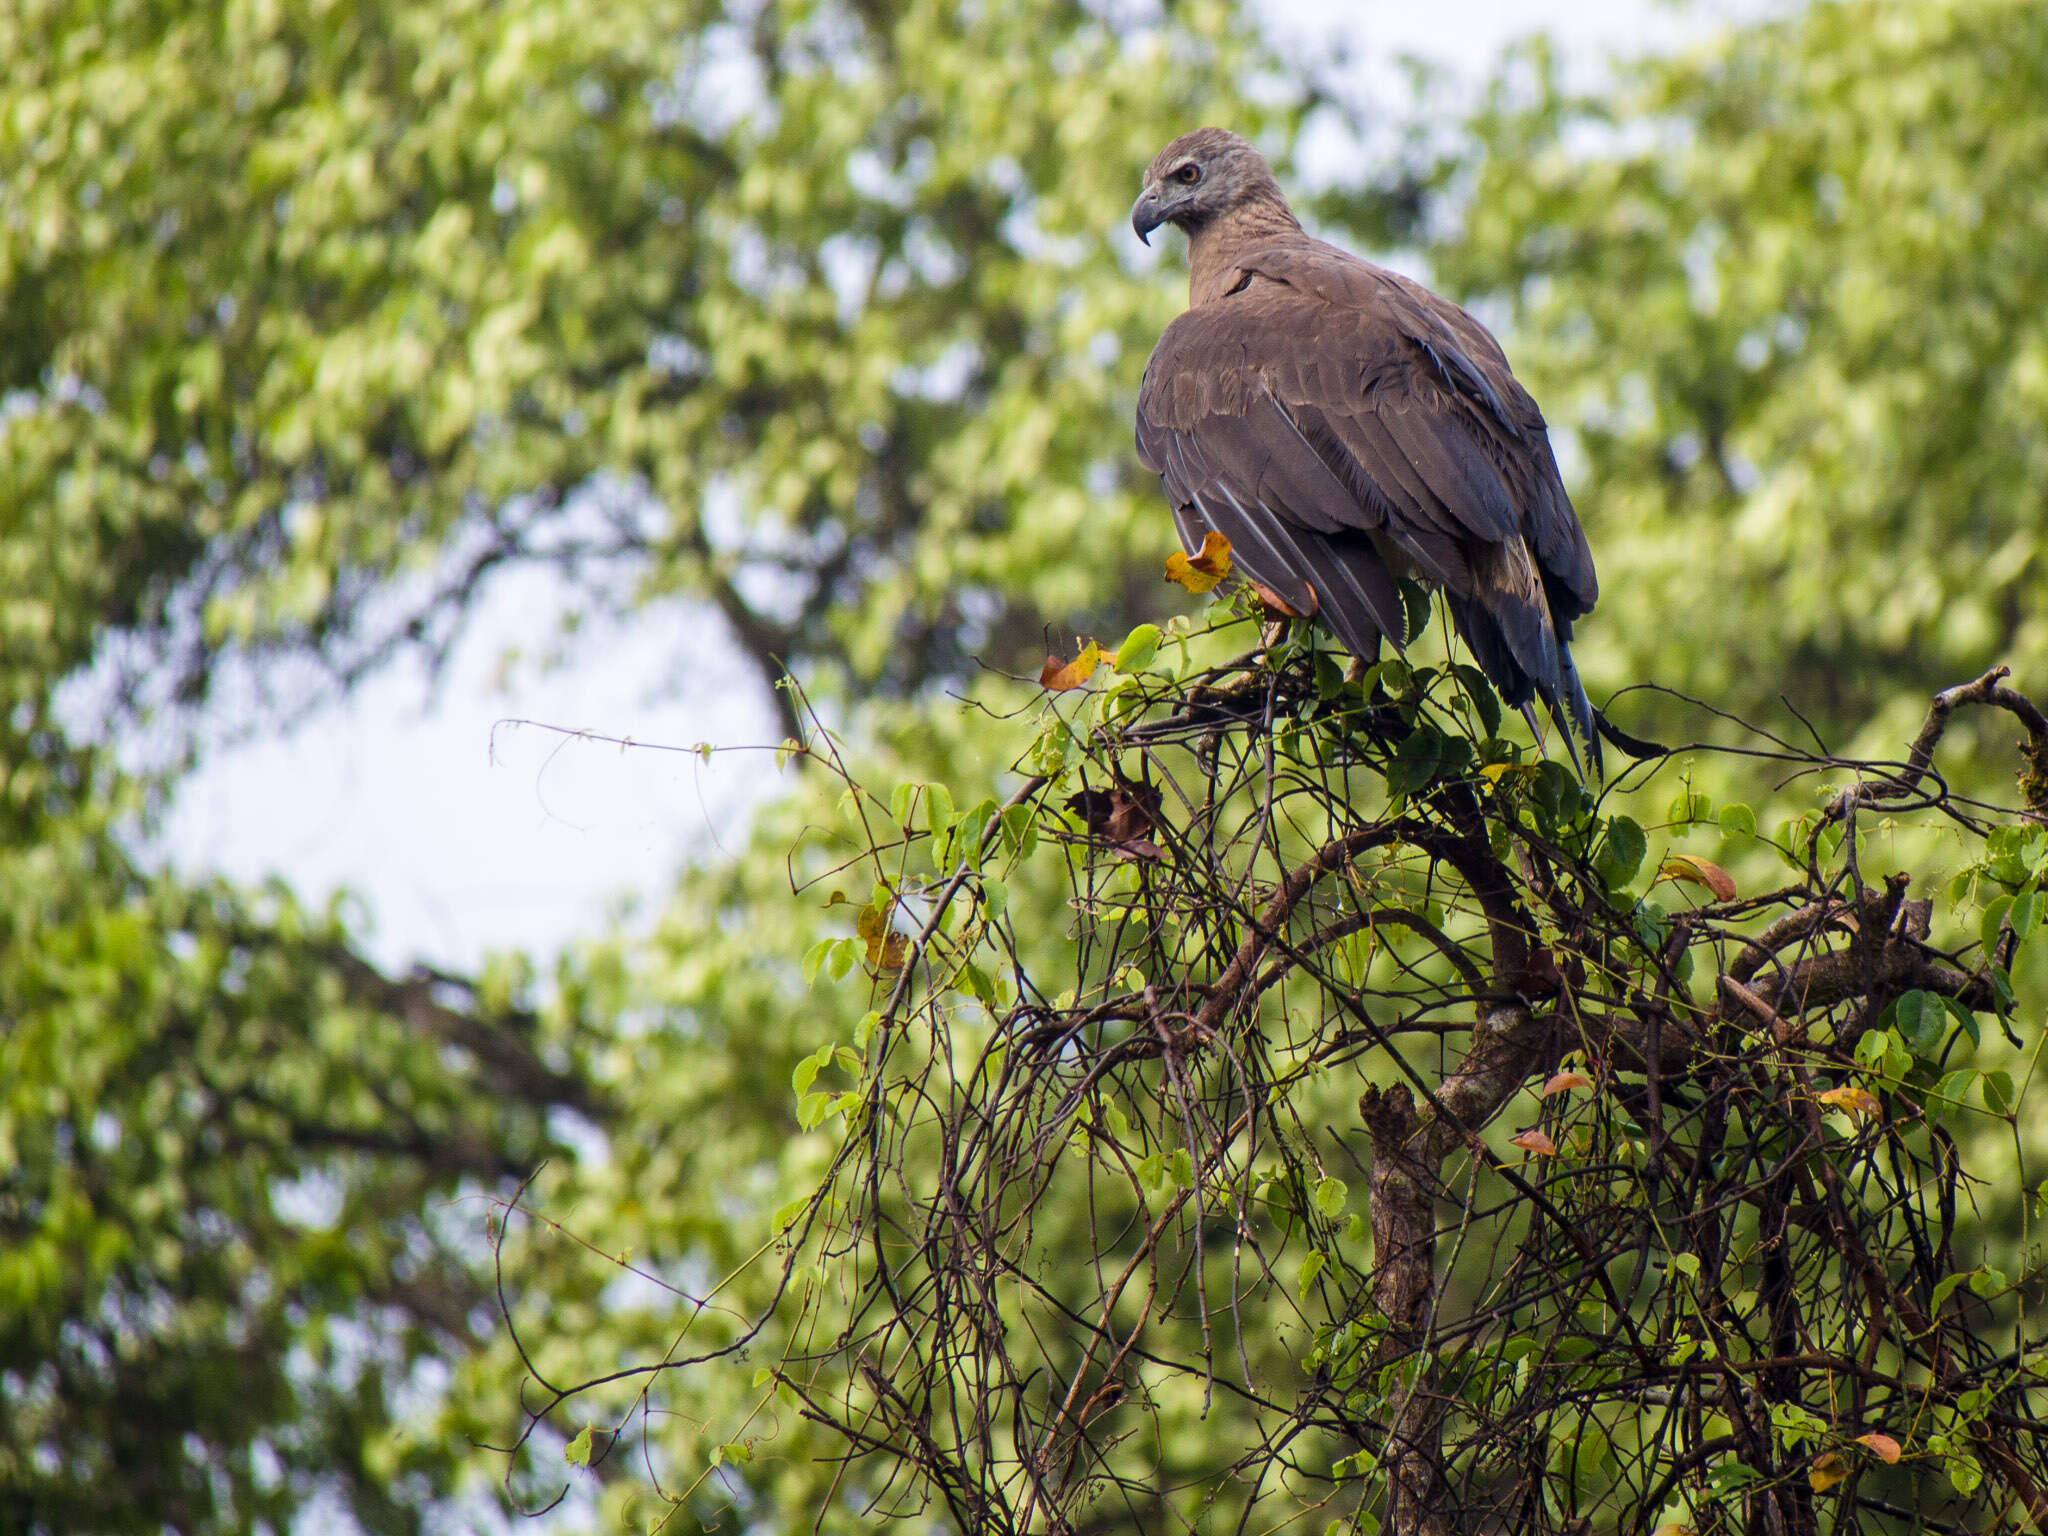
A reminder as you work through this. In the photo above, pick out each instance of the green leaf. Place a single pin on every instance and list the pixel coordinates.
(1415, 602)
(1311, 1267)
(1621, 851)
(1689, 806)
(787, 1212)
(1965, 1473)
(1151, 1171)
(577, 1451)
(1951, 1095)
(1330, 1197)
(1998, 1092)
(1485, 702)
(1738, 820)
(2025, 915)
(840, 959)
(1965, 1018)
(1946, 1288)
(1138, 649)
(1993, 919)
(1922, 1022)
(1416, 761)
(938, 809)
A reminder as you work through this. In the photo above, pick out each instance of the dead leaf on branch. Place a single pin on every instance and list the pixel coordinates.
(1277, 607)
(1209, 566)
(1858, 1102)
(1690, 866)
(1828, 1469)
(1564, 1080)
(1059, 676)
(1880, 1445)
(1533, 1140)
(886, 948)
(1541, 976)
(1123, 816)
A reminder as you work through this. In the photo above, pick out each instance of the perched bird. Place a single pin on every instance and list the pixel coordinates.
(1342, 426)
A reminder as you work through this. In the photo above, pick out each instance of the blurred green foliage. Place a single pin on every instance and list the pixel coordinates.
(821, 316)
(1787, 292)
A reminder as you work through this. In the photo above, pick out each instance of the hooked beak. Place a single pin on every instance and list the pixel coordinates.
(1146, 214)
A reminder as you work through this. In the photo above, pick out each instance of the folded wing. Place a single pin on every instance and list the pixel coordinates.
(1342, 427)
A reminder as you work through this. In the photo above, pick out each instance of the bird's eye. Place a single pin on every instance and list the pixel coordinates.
(1188, 174)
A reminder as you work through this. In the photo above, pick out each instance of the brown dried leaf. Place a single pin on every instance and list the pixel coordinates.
(1124, 816)
(1201, 573)
(1541, 977)
(1690, 866)
(1533, 1140)
(1564, 1080)
(1827, 1470)
(1880, 1445)
(1277, 607)
(1059, 676)
(886, 948)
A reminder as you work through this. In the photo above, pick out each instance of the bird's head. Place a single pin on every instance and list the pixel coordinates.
(1198, 176)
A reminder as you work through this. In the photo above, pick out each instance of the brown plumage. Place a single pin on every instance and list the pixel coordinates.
(1342, 426)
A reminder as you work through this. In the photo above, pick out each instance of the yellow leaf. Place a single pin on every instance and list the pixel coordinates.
(1827, 1470)
(1564, 1080)
(1535, 1141)
(1059, 676)
(1493, 773)
(1690, 866)
(1206, 568)
(1880, 1445)
(1857, 1102)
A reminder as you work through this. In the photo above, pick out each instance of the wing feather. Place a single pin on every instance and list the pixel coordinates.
(1340, 425)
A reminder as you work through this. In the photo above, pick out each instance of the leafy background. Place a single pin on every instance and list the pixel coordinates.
(810, 331)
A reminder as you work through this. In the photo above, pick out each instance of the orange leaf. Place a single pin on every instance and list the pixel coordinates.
(1880, 1445)
(1207, 568)
(1827, 1470)
(1856, 1102)
(1277, 607)
(1690, 866)
(1059, 676)
(1564, 1080)
(1533, 1140)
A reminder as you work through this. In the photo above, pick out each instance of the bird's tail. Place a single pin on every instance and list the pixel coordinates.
(1565, 697)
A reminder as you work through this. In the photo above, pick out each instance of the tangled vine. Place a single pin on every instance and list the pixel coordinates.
(1387, 1113)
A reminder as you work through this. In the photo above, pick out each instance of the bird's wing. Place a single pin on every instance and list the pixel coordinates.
(1247, 472)
(1327, 408)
